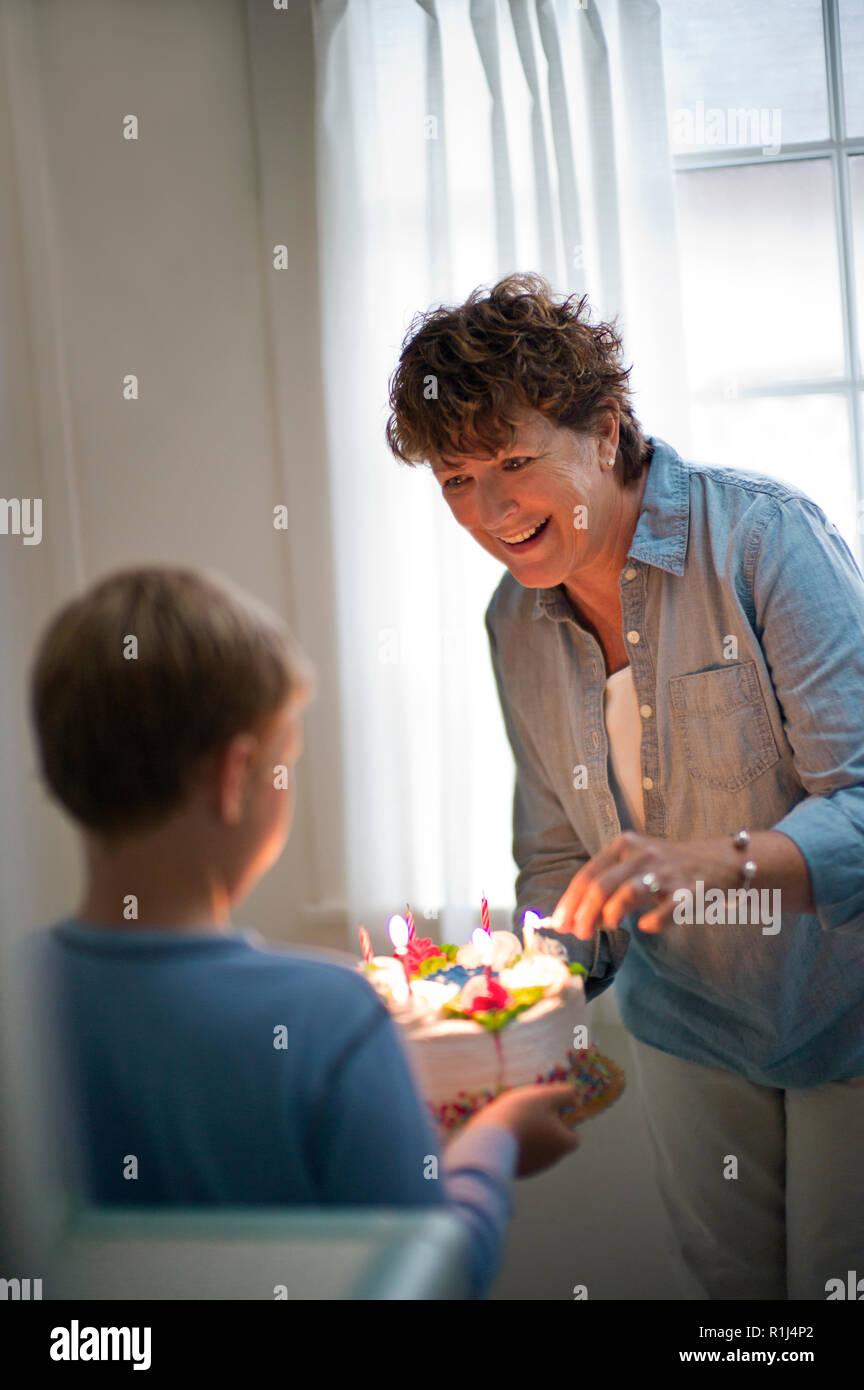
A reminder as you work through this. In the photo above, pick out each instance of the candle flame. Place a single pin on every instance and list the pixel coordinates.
(481, 943)
(397, 928)
(530, 923)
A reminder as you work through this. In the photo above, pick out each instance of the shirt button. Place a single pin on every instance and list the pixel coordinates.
(632, 636)
(646, 711)
(648, 783)
(629, 574)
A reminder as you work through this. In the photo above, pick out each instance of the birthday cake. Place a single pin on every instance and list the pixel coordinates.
(481, 1018)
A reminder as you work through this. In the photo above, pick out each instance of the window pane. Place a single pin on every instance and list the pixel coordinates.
(760, 274)
(804, 440)
(856, 188)
(852, 44)
(741, 74)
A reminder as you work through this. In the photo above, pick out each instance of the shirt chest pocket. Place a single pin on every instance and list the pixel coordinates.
(723, 724)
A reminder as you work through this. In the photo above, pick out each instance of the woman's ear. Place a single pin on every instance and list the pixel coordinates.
(610, 420)
(608, 423)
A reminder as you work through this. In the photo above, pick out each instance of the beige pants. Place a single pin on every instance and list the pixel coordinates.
(793, 1218)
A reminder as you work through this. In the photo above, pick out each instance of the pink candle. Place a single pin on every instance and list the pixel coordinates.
(409, 917)
(484, 915)
(365, 944)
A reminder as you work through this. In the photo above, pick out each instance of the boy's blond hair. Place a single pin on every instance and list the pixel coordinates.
(120, 736)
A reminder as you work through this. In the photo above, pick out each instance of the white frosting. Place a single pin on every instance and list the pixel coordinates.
(430, 996)
(503, 948)
(387, 976)
(531, 971)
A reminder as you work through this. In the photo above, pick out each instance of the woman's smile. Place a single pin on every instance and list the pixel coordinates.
(527, 538)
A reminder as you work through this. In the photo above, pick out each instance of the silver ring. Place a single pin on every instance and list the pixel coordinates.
(651, 882)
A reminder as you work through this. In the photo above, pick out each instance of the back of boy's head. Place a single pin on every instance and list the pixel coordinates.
(138, 679)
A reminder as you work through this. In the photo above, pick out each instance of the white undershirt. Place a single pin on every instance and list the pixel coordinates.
(624, 727)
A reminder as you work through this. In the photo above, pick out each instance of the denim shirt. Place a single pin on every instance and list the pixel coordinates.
(743, 617)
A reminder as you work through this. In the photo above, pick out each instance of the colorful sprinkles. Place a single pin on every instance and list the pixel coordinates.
(596, 1080)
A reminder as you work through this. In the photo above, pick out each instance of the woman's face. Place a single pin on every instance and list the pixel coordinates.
(549, 481)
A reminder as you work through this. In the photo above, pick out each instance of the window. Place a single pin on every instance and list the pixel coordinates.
(766, 119)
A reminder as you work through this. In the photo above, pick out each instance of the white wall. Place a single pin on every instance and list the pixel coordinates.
(153, 257)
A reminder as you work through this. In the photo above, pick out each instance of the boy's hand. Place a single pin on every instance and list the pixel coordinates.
(533, 1115)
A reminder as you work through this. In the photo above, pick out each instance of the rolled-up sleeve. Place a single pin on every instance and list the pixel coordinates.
(809, 599)
(546, 848)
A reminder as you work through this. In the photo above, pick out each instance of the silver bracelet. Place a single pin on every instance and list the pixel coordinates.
(741, 840)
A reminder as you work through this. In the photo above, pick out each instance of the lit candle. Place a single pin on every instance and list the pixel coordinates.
(398, 930)
(484, 916)
(482, 944)
(365, 944)
(530, 923)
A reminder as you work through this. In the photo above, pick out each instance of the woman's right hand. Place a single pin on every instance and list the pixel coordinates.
(532, 1114)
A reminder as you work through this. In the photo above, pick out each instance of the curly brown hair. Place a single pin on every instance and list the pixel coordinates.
(465, 372)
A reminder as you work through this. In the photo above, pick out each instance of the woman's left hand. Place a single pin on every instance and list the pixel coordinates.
(608, 888)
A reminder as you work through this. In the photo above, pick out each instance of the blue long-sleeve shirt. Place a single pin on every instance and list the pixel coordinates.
(238, 1072)
(743, 614)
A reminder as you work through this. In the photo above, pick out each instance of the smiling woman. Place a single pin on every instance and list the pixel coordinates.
(732, 618)
(549, 507)
(533, 441)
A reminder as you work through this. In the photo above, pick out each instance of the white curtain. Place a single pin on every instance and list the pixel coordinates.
(459, 140)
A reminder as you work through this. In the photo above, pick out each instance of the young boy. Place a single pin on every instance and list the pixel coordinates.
(206, 1065)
